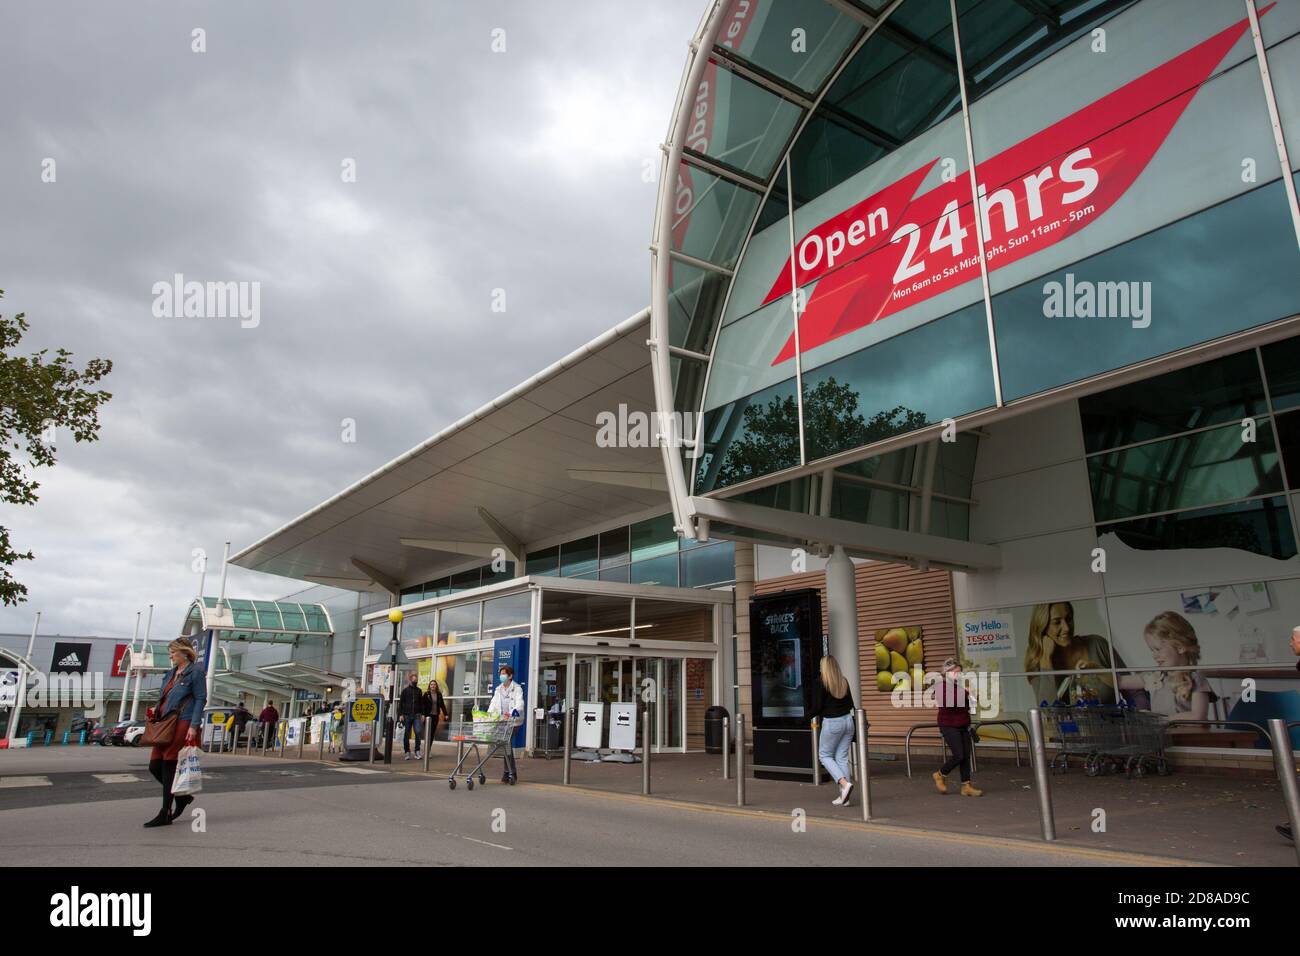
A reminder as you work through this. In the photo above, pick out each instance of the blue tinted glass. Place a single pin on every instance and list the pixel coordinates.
(711, 565)
(749, 437)
(662, 571)
(1261, 527)
(1228, 268)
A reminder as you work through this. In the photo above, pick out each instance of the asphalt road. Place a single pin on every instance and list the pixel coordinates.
(85, 806)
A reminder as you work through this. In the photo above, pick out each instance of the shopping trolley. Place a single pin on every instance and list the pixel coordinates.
(1107, 739)
(473, 736)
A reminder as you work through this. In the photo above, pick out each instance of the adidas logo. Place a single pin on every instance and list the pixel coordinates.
(72, 660)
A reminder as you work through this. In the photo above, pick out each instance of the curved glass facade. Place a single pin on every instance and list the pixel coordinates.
(1108, 169)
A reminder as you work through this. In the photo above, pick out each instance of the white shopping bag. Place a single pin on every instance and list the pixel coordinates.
(189, 775)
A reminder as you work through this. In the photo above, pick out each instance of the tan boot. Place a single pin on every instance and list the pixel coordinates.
(940, 784)
(969, 791)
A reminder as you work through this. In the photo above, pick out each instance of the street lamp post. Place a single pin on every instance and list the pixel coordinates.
(395, 615)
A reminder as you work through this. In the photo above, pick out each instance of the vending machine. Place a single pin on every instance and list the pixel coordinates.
(786, 647)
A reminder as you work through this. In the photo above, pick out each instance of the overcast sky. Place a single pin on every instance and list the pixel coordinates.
(475, 170)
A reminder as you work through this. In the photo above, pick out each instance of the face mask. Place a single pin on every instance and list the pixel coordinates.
(505, 679)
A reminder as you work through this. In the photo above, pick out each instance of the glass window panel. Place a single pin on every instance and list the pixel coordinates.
(438, 588)
(1261, 527)
(1282, 366)
(459, 624)
(950, 519)
(1001, 39)
(1205, 468)
(750, 437)
(938, 370)
(546, 561)
(614, 547)
(1288, 439)
(418, 632)
(619, 574)
(715, 564)
(316, 619)
(662, 571)
(757, 125)
(578, 557)
(711, 216)
(828, 151)
(695, 298)
(466, 580)
(954, 470)
(589, 615)
(466, 675)
(673, 621)
(492, 577)
(293, 618)
(507, 616)
(1202, 274)
(869, 505)
(268, 616)
(1227, 389)
(828, 32)
(411, 595)
(653, 537)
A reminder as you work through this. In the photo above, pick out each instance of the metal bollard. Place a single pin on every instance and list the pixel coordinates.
(740, 760)
(1038, 755)
(726, 748)
(374, 738)
(568, 746)
(248, 745)
(302, 740)
(266, 738)
(320, 748)
(864, 774)
(428, 739)
(1284, 761)
(645, 752)
(816, 750)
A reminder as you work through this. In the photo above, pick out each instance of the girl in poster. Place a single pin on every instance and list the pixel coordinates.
(1179, 695)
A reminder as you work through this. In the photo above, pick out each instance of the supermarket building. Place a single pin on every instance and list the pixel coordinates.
(984, 314)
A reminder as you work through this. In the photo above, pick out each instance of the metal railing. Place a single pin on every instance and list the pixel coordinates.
(975, 725)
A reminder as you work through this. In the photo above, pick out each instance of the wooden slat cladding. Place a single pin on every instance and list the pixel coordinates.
(890, 595)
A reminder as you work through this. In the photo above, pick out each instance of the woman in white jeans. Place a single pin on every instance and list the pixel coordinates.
(833, 708)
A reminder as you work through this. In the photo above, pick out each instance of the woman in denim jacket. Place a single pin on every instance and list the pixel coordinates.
(184, 693)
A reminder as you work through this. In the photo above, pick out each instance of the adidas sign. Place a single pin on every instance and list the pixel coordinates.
(72, 660)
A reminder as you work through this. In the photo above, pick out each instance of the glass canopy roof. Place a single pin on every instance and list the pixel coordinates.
(265, 621)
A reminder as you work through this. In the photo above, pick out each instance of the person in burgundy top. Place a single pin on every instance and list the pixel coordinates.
(954, 724)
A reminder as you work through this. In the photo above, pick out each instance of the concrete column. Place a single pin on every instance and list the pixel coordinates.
(842, 618)
(745, 575)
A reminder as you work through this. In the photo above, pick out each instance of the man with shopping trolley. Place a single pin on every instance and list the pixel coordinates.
(507, 703)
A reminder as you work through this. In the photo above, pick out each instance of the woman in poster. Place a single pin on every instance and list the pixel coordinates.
(1179, 695)
(1053, 646)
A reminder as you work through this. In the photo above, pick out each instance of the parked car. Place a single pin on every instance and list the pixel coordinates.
(100, 734)
(131, 736)
(117, 735)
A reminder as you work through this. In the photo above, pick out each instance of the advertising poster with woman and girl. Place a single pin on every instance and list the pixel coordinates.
(1217, 652)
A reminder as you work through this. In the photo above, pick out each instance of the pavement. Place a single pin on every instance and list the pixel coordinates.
(69, 806)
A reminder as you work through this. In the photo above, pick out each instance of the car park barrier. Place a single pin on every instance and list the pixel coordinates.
(740, 760)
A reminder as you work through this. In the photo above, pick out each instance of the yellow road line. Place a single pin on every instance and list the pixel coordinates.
(875, 829)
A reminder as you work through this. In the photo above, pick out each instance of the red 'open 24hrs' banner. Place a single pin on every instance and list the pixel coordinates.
(914, 247)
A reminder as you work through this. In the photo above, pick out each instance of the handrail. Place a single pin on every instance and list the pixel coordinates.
(1224, 723)
(907, 740)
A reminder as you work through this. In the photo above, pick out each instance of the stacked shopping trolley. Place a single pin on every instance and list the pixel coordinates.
(1106, 739)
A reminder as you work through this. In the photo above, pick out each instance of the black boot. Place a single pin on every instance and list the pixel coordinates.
(155, 768)
(181, 803)
(164, 817)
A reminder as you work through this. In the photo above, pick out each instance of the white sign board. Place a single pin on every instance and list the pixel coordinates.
(591, 719)
(293, 730)
(986, 635)
(8, 688)
(622, 726)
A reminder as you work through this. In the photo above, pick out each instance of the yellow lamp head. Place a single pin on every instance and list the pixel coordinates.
(395, 615)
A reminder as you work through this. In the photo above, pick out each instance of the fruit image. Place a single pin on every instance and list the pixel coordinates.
(898, 662)
(882, 657)
(895, 639)
(915, 652)
(900, 679)
(884, 682)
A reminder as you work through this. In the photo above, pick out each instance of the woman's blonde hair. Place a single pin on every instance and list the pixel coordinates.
(1038, 621)
(1173, 627)
(185, 647)
(833, 678)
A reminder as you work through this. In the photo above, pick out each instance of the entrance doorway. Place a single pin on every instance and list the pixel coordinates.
(653, 683)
